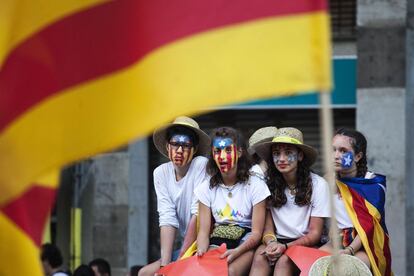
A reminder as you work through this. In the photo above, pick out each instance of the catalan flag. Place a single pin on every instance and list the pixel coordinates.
(364, 201)
(80, 77)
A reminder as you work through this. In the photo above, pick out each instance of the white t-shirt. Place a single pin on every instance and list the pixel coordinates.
(342, 218)
(257, 171)
(292, 221)
(238, 208)
(175, 198)
(60, 274)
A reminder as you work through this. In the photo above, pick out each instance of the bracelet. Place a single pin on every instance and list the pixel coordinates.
(351, 250)
(268, 235)
(274, 240)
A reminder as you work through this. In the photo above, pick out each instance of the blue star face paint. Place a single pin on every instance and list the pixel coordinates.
(181, 139)
(224, 153)
(222, 143)
(347, 160)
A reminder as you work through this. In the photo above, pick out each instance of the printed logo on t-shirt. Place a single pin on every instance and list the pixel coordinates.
(228, 213)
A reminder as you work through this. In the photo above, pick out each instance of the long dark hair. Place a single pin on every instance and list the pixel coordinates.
(243, 163)
(277, 185)
(359, 144)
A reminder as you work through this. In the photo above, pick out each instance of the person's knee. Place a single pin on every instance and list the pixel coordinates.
(232, 271)
(283, 262)
(259, 260)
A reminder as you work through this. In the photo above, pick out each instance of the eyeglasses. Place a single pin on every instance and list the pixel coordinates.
(184, 146)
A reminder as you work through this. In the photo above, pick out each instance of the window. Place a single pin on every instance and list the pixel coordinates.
(343, 19)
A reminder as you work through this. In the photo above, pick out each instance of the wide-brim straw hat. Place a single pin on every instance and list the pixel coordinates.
(160, 135)
(287, 135)
(264, 134)
(348, 266)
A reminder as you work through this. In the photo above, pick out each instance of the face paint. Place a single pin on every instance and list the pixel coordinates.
(347, 160)
(291, 155)
(224, 153)
(181, 139)
(343, 153)
(285, 157)
(180, 149)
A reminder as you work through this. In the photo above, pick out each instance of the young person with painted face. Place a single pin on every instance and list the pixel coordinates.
(356, 187)
(236, 200)
(183, 143)
(298, 203)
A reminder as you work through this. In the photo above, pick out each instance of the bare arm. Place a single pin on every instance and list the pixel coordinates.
(203, 237)
(314, 234)
(258, 220)
(275, 250)
(269, 229)
(190, 235)
(354, 247)
(167, 237)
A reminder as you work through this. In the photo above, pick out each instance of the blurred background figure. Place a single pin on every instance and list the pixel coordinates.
(52, 260)
(262, 135)
(100, 267)
(134, 270)
(83, 270)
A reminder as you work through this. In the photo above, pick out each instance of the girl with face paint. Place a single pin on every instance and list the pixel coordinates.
(349, 154)
(297, 206)
(234, 198)
(350, 163)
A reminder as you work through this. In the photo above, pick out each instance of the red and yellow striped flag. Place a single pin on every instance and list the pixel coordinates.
(83, 76)
(364, 200)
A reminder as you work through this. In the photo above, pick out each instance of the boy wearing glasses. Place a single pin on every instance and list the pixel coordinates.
(184, 143)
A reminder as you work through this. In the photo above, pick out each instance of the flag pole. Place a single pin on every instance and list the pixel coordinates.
(326, 123)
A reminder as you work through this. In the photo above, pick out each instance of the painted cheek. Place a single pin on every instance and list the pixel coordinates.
(276, 159)
(233, 157)
(230, 160)
(292, 157)
(188, 156)
(347, 160)
(216, 157)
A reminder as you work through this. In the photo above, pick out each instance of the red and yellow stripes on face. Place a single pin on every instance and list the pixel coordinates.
(366, 220)
(187, 155)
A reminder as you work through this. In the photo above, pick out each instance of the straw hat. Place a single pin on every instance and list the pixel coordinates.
(348, 266)
(264, 134)
(160, 135)
(287, 135)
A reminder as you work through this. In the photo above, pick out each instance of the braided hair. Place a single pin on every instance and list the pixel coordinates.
(359, 145)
